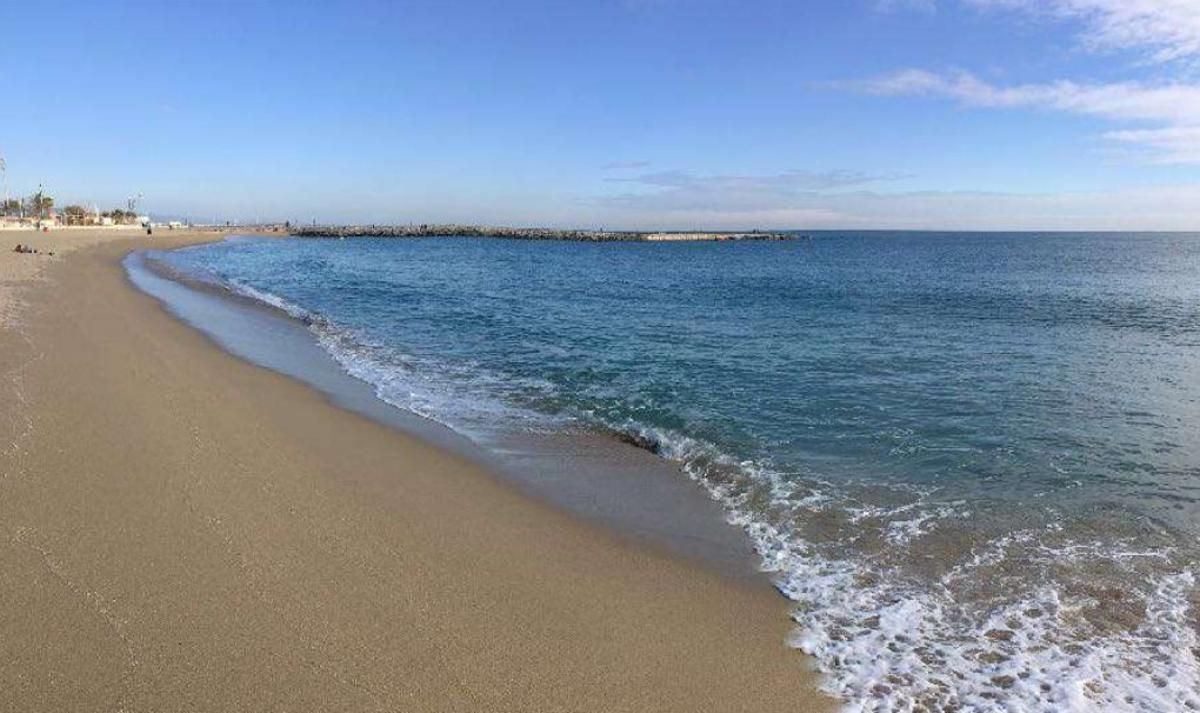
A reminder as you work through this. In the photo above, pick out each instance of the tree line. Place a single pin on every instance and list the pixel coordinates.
(36, 205)
(39, 205)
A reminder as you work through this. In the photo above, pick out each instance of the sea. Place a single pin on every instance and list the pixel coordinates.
(970, 460)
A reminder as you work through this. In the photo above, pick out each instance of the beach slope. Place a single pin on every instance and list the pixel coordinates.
(182, 530)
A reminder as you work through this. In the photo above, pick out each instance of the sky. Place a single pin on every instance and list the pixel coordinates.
(723, 114)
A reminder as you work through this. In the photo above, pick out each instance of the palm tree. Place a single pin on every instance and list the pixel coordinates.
(40, 203)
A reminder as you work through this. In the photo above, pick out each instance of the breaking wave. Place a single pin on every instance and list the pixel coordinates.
(910, 596)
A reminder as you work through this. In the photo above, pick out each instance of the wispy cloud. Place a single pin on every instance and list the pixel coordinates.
(625, 165)
(1166, 30)
(1161, 207)
(896, 5)
(1174, 106)
(1123, 100)
(1175, 144)
(681, 190)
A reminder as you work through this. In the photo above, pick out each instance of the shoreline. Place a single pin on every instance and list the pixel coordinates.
(600, 476)
(188, 529)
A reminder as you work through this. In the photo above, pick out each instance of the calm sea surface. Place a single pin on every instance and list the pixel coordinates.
(972, 460)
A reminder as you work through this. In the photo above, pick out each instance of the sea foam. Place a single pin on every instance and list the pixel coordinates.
(900, 611)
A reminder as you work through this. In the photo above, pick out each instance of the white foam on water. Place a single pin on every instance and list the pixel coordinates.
(888, 643)
(457, 396)
(884, 640)
(273, 300)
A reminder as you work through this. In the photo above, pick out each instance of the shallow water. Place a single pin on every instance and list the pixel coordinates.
(970, 459)
(594, 476)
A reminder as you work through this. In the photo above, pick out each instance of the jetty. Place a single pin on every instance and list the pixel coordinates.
(427, 230)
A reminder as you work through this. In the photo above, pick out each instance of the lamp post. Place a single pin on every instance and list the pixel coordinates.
(4, 177)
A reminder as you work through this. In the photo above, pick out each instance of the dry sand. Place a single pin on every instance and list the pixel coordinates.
(181, 530)
(17, 271)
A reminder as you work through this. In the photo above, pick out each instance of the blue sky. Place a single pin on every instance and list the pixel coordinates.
(979, 114)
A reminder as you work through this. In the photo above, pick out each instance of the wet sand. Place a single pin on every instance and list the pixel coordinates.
(182, 530)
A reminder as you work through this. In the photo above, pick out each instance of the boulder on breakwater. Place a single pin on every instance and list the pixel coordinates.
(478, 231)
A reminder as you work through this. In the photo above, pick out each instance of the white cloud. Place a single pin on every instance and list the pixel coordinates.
(625, 165)
(1175, 144)
(1171, 207)
(896, 5)
(844, 199)
(1122, 100)
(682, 191)
(1163, 30)
(1174, 106)
(718, 219)
(1166, 207)
(1167, 30)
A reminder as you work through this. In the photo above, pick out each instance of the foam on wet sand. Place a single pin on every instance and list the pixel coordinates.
(182, 529)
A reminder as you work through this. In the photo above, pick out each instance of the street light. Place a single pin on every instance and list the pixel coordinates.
(4, 177)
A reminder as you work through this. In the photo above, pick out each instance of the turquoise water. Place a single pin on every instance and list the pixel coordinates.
(971, 460)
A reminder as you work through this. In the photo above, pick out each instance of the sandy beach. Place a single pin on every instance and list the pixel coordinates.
(182, 530)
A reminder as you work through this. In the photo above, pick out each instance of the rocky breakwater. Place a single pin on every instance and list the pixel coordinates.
(478, 231)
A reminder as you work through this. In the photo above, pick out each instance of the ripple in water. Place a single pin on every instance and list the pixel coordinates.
(970, 461)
